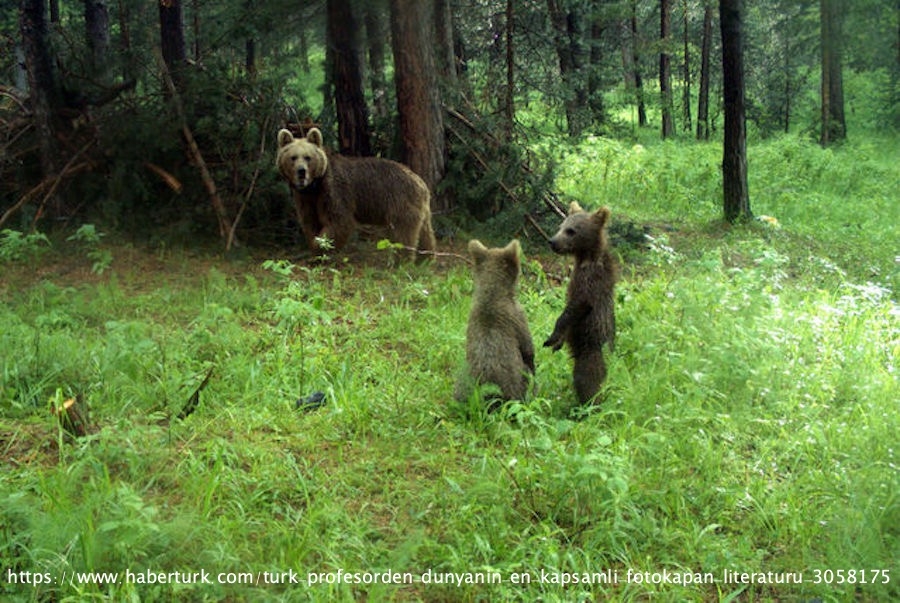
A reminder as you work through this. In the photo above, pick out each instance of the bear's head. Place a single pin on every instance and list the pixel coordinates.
(496, 271)
(301, 160)
(581, 233)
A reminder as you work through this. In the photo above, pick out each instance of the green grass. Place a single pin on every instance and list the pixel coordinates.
(749, 423)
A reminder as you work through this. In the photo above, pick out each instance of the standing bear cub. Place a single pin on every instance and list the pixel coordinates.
(499, 349)
(588, 320)
(334, 194)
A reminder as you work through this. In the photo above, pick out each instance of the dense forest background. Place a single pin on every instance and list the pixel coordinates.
(160, 116)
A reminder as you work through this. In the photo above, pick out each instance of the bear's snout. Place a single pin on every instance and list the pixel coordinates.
(301, 174)
(554, 245)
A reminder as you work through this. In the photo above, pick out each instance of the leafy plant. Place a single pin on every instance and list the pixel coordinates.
(16, 246)
(101, 257)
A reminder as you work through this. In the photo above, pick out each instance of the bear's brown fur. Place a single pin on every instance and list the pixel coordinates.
(499, 349)
(588, 320)
(334, 194)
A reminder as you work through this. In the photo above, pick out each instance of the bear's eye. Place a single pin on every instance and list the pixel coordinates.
(570, 232)
(294, 157)
(307, 158)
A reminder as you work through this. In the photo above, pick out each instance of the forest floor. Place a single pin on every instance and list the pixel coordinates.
(748, 424)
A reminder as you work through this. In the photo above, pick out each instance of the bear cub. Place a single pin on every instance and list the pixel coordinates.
(334, 195)
(499, 349)
(588, 320)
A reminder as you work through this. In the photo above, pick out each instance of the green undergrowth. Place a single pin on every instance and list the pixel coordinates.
(748, 424)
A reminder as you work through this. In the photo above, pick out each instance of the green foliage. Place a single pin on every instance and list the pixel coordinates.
(89, 237)
(17, 246)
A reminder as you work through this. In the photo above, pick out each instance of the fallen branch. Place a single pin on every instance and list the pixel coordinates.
(51, 182)
(249, 195)
(196, 155)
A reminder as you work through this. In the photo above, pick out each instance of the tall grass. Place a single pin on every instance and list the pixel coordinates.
(749, 421)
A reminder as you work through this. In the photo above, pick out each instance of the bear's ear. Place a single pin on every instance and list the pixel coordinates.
(513, 249)
(477, 251)
(601, 217)
(284, 138)
(511, 254)
(574, 208)
(314, 136)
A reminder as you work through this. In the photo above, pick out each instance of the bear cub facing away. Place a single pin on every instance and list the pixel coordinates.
(334, 194)
(588, 320)
(499, 348)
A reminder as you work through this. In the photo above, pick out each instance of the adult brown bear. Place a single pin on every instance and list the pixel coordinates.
(334, 194)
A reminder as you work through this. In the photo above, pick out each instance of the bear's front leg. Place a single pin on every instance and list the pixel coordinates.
(571, 316)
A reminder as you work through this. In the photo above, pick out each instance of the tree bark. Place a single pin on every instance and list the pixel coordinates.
(418, 99)
(734, 158)
(686, 73)
(96, 22)
(665, 73)
(703, 100)
(567, 24)
(509, 110)
(595, 90)
(834, 127)
(376, 36)
(171, 29)
(638, 79)
(43, 93)
(349, 98)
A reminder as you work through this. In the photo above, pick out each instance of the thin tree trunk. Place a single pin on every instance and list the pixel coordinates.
(734, 158)
(509, 109)
(418, 99)
(638, 79)
(349, 98)
(686, 89)
(703, 100)
(834, 127)
(375, 38)
(595, 90)
(665, 74)
(195, 21)
(250, 57)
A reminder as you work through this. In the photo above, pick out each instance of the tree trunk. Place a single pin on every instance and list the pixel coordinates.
(834, 128)
(43, 93)
(703, 100)
(665, 73)
(171, 30)
(509, 110)
(376, 38)
(349, 98)
(418, 99)
(96, 23)
(125, 50)
(595, 89)
(628, 34)
(444, 57)
(734, 158)
(686, 89)
(250, 58)
(195, 23)
(567, 24)
(638, 80)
